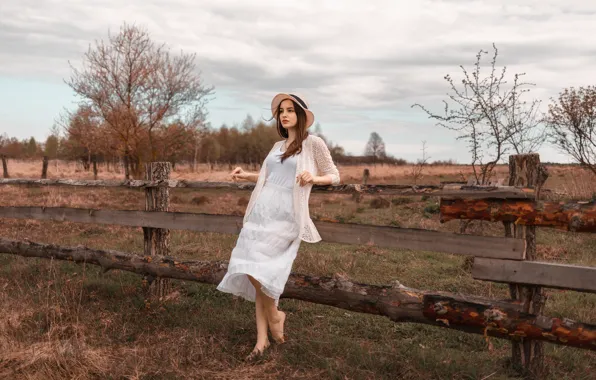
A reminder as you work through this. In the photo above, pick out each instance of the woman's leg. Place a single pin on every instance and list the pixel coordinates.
(261, 316)
(274, 317)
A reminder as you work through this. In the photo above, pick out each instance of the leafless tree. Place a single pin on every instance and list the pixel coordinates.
(137, 86)
(571, 125)
(490, 115)
(375, 147)
(3, 140)
(417, 170)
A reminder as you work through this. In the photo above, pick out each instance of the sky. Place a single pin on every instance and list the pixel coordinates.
(360, 64)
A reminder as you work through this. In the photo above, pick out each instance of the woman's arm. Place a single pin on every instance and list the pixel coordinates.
(252, 177)
(323, 180)
(325, 165)
(239, 173)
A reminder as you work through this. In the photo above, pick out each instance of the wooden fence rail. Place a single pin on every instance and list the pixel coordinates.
(491, 252)
(401, 304)
(551, 275)
(380, 236)
(456, 191)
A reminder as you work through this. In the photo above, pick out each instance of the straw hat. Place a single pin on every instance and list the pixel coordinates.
(277, 99)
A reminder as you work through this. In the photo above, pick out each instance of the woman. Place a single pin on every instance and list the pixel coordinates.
(277, 217)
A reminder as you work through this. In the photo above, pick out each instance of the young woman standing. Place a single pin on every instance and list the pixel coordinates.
(277, 216)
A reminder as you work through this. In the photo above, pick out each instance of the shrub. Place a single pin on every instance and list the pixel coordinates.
(379, 203)
(432, 208)
(199, 200)
(401, 201)
(176, 199)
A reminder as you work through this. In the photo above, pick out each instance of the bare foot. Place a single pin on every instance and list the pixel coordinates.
(257, 352)
(277, 328)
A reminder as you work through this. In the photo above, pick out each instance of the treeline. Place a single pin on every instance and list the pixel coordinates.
(250, 143)
(85, 140)
(23, 149)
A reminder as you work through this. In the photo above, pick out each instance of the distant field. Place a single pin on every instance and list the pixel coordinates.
(568, 180)
(61, 320)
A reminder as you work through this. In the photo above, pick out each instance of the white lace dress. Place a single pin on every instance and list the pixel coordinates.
(269, 240)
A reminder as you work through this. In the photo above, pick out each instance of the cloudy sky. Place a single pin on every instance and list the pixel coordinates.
(361, 64)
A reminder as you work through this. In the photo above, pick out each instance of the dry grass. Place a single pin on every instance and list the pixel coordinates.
(566, 181)
(62, 320)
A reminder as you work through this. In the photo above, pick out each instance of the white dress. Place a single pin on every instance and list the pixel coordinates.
(269, 240)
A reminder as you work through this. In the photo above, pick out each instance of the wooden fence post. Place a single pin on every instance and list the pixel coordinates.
(94, 160)
(44, 168)
(4, 167)
(527, 355)
(126, 166)
(157, 240)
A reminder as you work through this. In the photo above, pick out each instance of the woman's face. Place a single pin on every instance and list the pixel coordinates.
(287, 114)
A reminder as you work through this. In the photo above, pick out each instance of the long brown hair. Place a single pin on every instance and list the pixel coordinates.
(301, 133)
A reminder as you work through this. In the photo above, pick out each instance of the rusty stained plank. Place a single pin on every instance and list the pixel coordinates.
(573, 216)
(507, 323)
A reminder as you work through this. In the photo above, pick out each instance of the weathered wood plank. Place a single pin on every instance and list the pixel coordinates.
(421, 240)
(560, 276)
(573, 216)
(132, 218)
(381, 236)
(400, 304)
(458, 191)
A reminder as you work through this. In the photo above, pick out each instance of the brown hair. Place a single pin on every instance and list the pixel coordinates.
(301, 133)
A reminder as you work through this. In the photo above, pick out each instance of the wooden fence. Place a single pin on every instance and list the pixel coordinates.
(499, 259)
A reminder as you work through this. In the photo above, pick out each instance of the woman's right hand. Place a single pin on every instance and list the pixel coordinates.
(239, 173)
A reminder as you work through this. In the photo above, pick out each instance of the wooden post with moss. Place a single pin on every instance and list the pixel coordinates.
(44, 168)
(157, 240)
(527, 355)
(4, 167)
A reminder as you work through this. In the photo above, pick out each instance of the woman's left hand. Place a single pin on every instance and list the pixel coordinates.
(305, 178)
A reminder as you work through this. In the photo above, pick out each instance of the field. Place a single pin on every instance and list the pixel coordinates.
(62, 320)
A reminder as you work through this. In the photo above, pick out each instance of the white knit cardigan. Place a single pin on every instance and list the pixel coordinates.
(315, 158)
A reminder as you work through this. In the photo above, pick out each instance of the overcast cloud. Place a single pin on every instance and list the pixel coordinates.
(361, 64)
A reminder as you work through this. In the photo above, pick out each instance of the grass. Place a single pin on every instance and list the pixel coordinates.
(62, 320)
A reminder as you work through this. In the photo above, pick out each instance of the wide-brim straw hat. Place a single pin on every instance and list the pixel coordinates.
(277, 99)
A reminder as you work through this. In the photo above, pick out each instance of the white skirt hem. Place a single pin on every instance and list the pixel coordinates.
(266, 247)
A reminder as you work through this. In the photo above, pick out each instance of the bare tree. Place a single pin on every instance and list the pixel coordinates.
(4, 140)
(571, 125)
(137, 86)
(375, 147)
(490, 116)
(417, 170)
